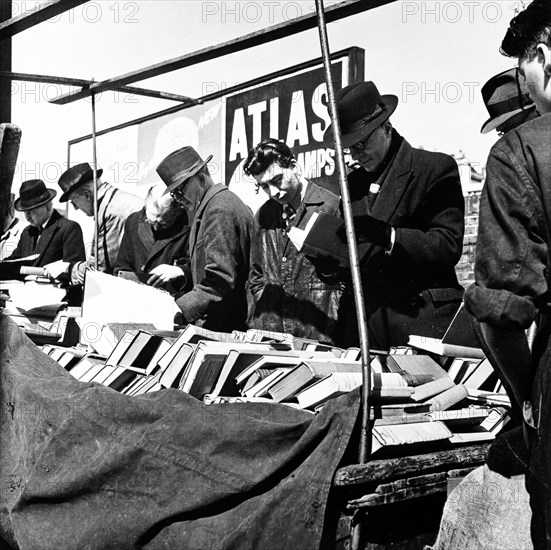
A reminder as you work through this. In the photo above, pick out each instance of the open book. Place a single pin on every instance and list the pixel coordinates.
(320, 238)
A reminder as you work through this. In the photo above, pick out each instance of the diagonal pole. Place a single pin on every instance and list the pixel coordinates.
(95, 179)
(365, 434)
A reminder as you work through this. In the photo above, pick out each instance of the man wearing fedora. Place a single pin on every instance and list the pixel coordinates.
(508, 102)
(409, 217)
(114, 206)
(219, 243)
(512, 264)
(48, 238)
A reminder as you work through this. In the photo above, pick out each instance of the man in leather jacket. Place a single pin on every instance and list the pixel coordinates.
(293, 292)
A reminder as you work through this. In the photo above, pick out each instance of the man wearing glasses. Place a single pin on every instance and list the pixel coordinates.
(409, 217)
(154, 246)
(219, 243)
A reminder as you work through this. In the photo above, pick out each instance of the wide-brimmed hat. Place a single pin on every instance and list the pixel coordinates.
(74, 177)
(33, 193)
(179, 166)
(361, 109)
(505, 96)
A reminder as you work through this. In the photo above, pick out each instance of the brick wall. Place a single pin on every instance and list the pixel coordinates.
(465, 267)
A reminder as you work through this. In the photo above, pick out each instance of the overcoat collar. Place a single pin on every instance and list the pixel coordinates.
(399, 177)
(212, 192)
(145, 234)
(47, 234)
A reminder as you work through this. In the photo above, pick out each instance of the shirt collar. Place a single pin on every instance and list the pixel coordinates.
(45, 224)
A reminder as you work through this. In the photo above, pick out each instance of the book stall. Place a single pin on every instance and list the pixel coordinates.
(435, 405)
(127, 431)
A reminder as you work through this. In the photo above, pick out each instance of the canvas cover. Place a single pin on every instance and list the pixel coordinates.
(83, 466)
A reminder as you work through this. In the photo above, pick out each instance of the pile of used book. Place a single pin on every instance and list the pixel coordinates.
(428, 393)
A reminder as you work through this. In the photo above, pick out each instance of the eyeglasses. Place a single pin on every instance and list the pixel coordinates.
(360, 146)
(179, 196)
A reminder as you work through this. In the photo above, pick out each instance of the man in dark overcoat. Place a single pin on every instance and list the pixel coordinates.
(155, 244)
(219, 243)
(409, 216)
(48, 238)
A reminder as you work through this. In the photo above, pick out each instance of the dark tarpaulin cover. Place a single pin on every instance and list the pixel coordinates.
(84, 467)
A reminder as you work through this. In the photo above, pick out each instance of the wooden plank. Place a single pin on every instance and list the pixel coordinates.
(395, 468)
(37, 15)
(275, 32)
(407, 493)
(85, 84)
(416, 481)
(460, 472)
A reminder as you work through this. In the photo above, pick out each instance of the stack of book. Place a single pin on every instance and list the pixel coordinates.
(419, 396)
(197, 361)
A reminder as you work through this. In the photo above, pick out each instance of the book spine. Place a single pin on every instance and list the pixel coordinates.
(432, 388)
(448, 398)
(390, 394)
(388, 380)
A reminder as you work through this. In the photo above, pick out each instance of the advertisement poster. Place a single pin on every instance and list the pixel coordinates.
(292, 107)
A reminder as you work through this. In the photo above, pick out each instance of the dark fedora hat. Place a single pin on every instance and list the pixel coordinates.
(361, 109)
(33, 193)
(179, 166)
(505, 96)
(74, 177)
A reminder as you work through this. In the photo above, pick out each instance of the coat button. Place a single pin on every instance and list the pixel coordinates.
(284, 259)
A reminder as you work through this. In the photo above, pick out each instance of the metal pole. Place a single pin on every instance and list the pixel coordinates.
(365, 434)
(5, 64)
(95, 179)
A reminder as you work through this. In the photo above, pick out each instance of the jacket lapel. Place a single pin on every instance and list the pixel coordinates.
(47, 236)
(397, 180)
(218, 188)
(143, 231)
(311, 197)
(160, 245)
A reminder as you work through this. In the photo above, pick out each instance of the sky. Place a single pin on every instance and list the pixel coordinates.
(435, 56)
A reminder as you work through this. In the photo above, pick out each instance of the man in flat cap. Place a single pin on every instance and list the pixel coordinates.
(219, 243)
(114, 206)
(409, 216)
(48, 238)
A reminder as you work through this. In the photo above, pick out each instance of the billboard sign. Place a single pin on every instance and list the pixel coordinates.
(290, 105)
